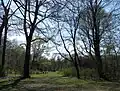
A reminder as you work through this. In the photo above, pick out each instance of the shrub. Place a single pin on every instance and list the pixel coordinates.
(68, 72)
(86, 73)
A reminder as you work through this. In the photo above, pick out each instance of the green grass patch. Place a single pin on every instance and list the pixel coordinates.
(49, 74)
(56, 82)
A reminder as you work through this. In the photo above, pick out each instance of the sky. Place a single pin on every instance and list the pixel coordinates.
(21, 38)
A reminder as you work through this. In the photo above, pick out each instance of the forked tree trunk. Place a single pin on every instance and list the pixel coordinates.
(76, 63)
(77, 69)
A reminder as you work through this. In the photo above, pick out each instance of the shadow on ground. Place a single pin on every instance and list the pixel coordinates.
(58, 84)
(9, 83)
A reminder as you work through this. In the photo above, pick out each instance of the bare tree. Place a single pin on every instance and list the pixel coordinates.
(6, 16)
(38, 48)
(33, 13)
(95, 22)
(68, 26)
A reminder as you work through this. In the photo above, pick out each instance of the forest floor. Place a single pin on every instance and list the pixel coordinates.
(55, 82)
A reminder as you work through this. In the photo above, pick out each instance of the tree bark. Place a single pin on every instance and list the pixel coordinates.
(2, 74)
(76, 59)
(99, 60)
(77, 69)
(1, 31)
(26, 73)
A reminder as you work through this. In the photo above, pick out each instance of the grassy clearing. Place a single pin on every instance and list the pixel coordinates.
(50, 74)
(55, 82)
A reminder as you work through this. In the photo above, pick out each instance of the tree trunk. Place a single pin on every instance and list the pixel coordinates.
(99, 61)
(77, 69)
(76, 57)
(2, 74)
(76, 65)
(1, 31)
(27, 59)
